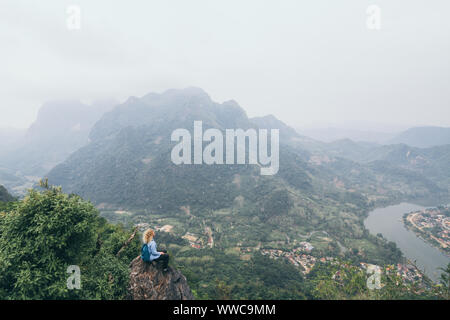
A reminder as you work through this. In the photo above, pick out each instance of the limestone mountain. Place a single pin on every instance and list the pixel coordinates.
(61, 128)
(271, 122)
(128, 160)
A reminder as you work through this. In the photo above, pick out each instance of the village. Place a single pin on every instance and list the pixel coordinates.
(432, 224)
(299, 256)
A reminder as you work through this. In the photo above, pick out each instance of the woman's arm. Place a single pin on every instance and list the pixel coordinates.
(153, 248)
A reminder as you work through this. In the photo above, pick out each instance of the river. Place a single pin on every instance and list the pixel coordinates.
(388, 222)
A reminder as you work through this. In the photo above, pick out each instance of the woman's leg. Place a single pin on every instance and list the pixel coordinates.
(165, 260)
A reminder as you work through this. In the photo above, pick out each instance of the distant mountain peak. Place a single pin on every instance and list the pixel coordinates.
(169, 110)
(61, 127)
(269, 117)
(271, 122)
(423, 137)
(185, 92)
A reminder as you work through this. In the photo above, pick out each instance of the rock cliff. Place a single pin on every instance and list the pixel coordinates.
(149, 282)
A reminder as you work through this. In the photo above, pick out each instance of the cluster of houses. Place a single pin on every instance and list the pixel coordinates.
(198, 242)
(304, 247)
(194, 241)
(435, 223)
(408, 272)
(297, 259)
(298, 256)
(144, 226)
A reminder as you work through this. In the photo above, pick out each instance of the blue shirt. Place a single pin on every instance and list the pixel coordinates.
(154, 254)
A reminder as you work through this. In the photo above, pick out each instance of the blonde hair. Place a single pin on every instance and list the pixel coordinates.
(148, 235)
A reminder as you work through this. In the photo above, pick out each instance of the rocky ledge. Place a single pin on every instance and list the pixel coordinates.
(149, 282)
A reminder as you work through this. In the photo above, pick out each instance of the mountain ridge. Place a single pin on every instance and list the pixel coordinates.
(61, 127)
(423, 137)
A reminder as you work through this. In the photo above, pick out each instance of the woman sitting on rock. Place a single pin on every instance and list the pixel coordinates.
(162, 256)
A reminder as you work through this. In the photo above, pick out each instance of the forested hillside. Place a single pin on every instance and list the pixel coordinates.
(415, 172)
(49, 232)
(127, 172)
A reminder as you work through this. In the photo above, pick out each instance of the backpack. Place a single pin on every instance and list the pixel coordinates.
(145, 253)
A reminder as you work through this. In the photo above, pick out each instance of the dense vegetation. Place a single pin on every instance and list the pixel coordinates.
(346, 281)
(48, 231)
(223, 274)
(44, 234)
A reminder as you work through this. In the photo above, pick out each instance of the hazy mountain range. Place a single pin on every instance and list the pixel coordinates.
(330, 134)
(423, 137)
(120, 160)
(10, 137)
(127, 162)
(61, 127)
(129, 156)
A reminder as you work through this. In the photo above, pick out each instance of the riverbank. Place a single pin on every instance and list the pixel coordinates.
(431, 225)
(389, 222)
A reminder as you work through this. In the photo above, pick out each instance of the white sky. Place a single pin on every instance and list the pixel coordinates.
(309, 63)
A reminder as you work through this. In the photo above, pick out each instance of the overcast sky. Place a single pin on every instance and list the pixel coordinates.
(310, 63)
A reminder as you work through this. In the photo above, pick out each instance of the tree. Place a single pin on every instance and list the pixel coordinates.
(49, 231)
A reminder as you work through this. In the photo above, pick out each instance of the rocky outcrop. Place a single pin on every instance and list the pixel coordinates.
(149, 282)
